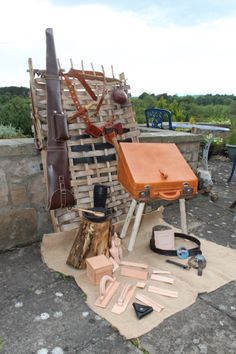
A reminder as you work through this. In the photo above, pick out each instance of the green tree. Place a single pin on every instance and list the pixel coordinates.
(16, 112)
(162, 103)
(232, 114)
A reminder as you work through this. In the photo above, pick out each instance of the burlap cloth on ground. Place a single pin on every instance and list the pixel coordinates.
(221, 265)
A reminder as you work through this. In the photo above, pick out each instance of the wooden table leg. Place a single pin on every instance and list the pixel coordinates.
(135, 228)
(128, 218)
(183, 215)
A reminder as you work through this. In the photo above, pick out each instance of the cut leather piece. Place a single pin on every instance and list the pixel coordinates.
(93, 130)
(135, 273)
(124, 298)
(141, 310)
(107, 288)
(118, 127)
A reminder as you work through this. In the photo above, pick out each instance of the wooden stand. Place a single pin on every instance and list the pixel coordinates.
(138, 218)
(92, 239)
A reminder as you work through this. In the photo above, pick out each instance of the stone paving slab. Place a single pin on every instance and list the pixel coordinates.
(198, 329)
(42, 310)
(223, 299)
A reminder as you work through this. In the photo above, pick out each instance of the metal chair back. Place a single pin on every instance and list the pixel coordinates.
(156, 116)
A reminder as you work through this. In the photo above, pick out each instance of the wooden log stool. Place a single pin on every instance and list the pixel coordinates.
(92, 239)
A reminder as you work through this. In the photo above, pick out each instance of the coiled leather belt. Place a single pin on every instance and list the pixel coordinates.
(192, 252)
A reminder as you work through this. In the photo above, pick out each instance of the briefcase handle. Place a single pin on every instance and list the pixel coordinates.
(169, 195)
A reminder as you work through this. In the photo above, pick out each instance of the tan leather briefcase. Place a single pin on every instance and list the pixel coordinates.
(155, 171)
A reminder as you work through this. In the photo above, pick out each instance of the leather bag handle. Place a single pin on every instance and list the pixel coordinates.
(169, 195)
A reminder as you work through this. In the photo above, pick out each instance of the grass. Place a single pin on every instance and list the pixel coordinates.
(58, 275)
(9, 132)
(1, 344)
(136, 343)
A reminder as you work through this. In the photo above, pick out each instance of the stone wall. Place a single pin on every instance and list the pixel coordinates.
(23, 216)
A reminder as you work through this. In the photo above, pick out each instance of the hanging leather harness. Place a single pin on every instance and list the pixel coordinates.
(82, 111)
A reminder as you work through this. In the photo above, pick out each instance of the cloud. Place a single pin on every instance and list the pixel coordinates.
(155, 58)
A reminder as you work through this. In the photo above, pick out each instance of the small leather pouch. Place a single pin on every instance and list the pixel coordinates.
(60, 127)
(141, 310)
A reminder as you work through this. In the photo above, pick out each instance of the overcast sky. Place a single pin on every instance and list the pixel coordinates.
(173, 46)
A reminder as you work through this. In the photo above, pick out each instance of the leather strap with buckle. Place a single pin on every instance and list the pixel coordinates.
(191, 252)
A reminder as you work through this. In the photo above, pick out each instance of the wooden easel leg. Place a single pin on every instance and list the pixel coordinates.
(128, 218)
(135, 228)
(183, 215)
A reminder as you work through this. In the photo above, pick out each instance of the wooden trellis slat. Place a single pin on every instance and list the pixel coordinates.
(91, 160)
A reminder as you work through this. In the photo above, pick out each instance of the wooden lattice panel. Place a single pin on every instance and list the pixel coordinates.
(91, 160)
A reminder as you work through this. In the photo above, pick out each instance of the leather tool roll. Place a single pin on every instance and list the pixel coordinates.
(58, 174)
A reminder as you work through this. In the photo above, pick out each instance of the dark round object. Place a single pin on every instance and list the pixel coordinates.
(119, 95)
(95, 218)
(100, 196)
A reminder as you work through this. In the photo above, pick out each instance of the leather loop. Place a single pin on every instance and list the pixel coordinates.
(103, 284)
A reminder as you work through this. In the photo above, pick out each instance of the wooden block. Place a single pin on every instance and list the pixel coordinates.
(161, 278)
(133, 264)
(164, 292)
(134, 273)
(147, 301)
(97, 267)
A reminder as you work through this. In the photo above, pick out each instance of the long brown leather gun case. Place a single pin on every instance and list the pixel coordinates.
(58, 174)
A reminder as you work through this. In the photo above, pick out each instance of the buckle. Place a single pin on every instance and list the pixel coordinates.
(182, 252)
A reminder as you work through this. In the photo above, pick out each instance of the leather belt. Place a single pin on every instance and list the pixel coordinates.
(192, 252)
